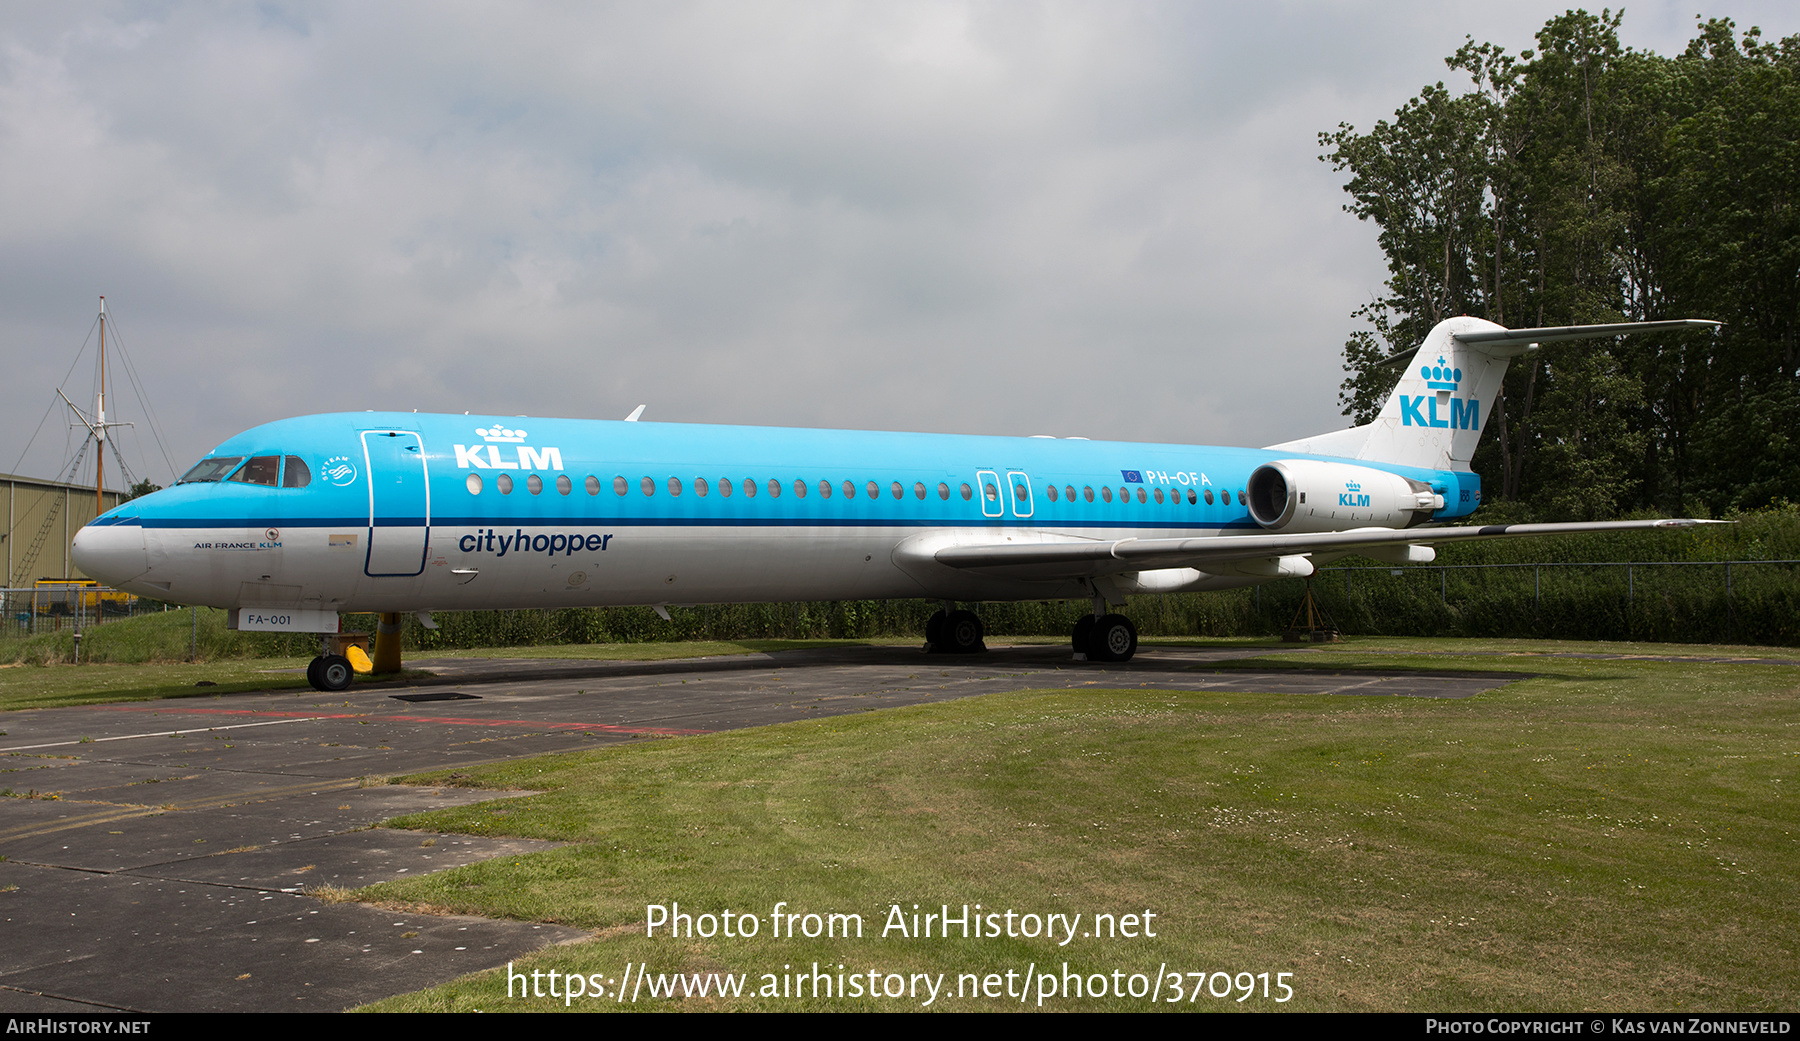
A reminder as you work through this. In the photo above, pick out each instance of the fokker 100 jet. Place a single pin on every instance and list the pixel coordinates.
(290, 523)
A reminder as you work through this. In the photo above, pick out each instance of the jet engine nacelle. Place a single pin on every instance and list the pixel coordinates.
(1306, 495)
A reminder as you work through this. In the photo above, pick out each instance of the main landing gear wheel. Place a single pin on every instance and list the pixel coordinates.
(1112, 638)
(934, 630)
(330, 673)
(1083, 630)
(963, 632)
(958, 632)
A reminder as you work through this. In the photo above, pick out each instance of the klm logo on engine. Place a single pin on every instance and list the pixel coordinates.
(1421, 410)
(1352, 495)
(506, 450)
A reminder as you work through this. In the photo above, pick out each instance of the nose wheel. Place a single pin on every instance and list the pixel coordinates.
(330, 673)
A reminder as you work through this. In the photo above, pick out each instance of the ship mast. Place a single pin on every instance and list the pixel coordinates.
(97, 427)
(100, 422)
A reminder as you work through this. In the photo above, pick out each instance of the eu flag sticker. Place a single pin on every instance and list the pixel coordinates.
(1132, 476)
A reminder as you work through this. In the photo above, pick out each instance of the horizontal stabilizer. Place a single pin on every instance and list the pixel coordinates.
(1510, 342)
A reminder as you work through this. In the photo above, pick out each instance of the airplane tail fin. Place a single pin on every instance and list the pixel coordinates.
(1434, 417)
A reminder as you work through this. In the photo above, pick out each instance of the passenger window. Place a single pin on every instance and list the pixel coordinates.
(874, 490)
(1051, 492)
(1069, 492)
(725, 487)
(534, 484)
(1141, 495)
(504, 483)
(899, 492)
(473, 482)
(967, 492)
(593, 485)
(1241, 496)
(774, 488)
(674, 486)
(849, 489)
(1106, 493)
(1225, 497)
(943, 491)
(749, 487)
(918, 489)
(1087, 492)
(824, 489)
(563, 487)
(296, 474)
(647, 486)
(620, 486)
(1159, 496)
(1191, 497)
(261, 469)
(992, 493)
(799, 487)
(700, 488)
(1209, 497)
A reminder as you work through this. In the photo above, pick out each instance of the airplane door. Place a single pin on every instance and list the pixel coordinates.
(399, 503)
(1019, 492)
(993, 497)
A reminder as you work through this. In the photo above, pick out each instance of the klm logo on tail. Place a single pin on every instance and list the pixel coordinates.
(1421, 410)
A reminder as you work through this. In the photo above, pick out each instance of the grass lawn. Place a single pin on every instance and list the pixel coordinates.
(1615, 835)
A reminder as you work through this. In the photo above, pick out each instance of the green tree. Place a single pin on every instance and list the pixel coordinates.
(1584, 182)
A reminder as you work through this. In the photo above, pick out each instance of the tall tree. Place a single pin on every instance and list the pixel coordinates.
(1585, 182)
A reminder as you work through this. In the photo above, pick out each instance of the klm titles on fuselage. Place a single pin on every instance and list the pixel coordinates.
(502, 442)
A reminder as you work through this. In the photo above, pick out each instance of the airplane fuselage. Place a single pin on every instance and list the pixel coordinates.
(403, 512)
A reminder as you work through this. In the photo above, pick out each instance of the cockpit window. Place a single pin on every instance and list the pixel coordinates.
(259, 469)
(296, 474)
(210, 469)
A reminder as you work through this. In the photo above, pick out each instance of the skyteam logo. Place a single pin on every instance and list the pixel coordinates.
(1421, 410)
(1352, 495)
(492, 456)
(339, 470)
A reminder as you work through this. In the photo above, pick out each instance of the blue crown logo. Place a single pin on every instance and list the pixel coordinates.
(1441, 376)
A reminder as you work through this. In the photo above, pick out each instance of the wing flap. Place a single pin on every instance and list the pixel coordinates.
(1093, 559)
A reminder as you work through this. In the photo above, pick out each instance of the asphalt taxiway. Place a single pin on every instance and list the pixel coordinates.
(163, 854)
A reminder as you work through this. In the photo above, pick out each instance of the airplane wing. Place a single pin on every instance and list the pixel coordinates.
(1240, 554)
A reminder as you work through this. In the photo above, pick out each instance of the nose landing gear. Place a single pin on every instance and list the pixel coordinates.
(330, 673)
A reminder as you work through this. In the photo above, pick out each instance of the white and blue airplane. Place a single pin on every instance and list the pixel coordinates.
(290, 523)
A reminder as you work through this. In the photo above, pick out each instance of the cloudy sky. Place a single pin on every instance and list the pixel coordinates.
(1104, 219)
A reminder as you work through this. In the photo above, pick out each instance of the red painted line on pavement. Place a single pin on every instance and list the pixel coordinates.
(611, 728)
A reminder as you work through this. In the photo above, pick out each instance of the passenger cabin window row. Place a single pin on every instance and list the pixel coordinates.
(751, 487)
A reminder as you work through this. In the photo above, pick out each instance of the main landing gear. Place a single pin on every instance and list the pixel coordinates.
(954, 632)
(1105, 637)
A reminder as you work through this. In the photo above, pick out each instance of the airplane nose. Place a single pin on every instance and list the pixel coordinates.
(111, 553)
